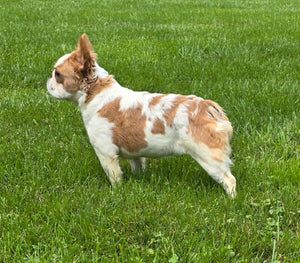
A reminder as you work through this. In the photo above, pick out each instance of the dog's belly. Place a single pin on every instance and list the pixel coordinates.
(159, 147)
(150, 152)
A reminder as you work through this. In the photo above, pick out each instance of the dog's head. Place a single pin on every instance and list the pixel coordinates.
(73, 72)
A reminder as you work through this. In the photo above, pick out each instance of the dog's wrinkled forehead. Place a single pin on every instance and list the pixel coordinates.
(61, 60)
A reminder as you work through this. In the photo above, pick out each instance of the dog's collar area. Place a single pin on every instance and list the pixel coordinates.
(86, 83)
(89, 80)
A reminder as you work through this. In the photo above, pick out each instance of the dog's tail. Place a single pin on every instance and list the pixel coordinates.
(215, 111)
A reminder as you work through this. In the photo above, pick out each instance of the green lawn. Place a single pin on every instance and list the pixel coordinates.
(56, 204)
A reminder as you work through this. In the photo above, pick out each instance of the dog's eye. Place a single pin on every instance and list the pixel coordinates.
(57, 74)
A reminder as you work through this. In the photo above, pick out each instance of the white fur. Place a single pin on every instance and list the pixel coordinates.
(61, 60)
(57, 90)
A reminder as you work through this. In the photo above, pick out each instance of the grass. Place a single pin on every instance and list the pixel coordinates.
(56, 204)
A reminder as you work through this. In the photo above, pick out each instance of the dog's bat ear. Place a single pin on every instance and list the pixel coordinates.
(86, 48)
(84, 56)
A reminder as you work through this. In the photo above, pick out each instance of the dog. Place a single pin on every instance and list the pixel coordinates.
(135, 125)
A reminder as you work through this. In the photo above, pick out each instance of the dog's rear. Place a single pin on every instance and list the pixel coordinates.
(211, 131)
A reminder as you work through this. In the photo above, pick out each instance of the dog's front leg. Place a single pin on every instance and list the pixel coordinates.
(112, 168)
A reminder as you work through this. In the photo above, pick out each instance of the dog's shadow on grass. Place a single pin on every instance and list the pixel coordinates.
(170, 171)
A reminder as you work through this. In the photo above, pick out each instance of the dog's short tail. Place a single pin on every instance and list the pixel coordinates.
(215, 111)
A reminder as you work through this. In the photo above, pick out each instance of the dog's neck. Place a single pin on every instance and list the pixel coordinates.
(88, 83)
(100, 72)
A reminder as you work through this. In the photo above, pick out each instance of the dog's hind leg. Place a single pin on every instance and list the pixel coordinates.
(218, 168)
(211, 133)
(138, 164)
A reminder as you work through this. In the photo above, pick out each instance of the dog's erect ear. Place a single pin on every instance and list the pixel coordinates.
(84, 57)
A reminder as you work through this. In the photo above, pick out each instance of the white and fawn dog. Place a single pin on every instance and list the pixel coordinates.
(134, 125)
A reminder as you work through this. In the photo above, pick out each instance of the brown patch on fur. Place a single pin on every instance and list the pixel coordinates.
(83, 58)
(97, 87)
(156, 100)
(203, 126)
(170, 114)
(218, 155)
(158, 127)
(129, 126)
(67, 77)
